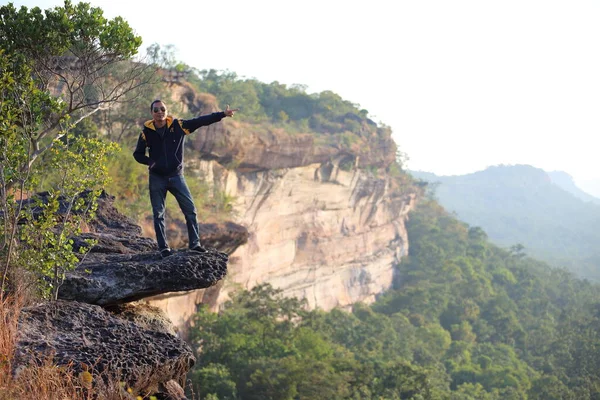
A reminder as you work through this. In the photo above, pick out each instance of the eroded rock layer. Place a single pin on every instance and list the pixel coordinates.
(88, 337)
(318, 232)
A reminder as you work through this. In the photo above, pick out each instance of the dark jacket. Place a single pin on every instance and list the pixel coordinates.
(166, 153)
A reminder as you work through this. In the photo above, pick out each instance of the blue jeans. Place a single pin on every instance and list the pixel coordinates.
(158, 193)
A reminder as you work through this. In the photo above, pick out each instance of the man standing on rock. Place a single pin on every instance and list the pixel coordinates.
(164, 137)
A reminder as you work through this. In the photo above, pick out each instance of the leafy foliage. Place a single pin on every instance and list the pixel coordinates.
(38, 231)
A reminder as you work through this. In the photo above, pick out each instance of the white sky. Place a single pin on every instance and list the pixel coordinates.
(463, 84)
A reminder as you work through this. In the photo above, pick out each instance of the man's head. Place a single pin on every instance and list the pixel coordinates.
(159, 112)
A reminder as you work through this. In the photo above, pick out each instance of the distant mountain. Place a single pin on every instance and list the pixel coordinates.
(545, 212)
(565, 181)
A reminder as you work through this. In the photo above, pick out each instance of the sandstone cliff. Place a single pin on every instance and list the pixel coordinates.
(316, 232)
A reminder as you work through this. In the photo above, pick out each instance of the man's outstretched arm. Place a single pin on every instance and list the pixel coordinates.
(190, 125)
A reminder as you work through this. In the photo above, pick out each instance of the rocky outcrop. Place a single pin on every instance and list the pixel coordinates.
(266, 148)
(124, 266)
(116, 279)
(95, 327)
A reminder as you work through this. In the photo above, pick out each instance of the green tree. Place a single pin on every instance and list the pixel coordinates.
(550, 388)
(470, 391)
(216, 380)
(75, 63)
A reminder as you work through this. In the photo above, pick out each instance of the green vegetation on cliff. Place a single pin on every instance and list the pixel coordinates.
(324, 112)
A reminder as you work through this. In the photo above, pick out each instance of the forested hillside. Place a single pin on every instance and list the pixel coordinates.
(523, 205)
(465, 321)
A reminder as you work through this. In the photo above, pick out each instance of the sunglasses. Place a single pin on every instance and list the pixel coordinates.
(156, 109)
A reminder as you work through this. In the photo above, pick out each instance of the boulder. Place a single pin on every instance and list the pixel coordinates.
(143, 354)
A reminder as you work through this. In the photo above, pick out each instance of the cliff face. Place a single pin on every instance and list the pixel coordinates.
(320, 226)
(316, 232)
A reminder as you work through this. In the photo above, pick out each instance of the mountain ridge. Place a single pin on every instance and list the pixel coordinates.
(521, 204)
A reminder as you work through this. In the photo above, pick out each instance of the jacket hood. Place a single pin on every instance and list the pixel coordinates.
(150, 124)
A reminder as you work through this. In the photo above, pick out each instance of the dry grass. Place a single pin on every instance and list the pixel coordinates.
(42, 382)
(10, 308)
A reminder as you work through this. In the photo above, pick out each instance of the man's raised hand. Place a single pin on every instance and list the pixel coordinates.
(229, 112)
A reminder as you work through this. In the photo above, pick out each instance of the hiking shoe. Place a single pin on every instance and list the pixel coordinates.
(164, 253)
(199, 249)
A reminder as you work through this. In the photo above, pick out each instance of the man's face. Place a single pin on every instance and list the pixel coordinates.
(159, 112)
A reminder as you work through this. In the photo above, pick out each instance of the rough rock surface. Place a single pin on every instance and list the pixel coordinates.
(115, 233)
(86, 336)
(115, 279)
